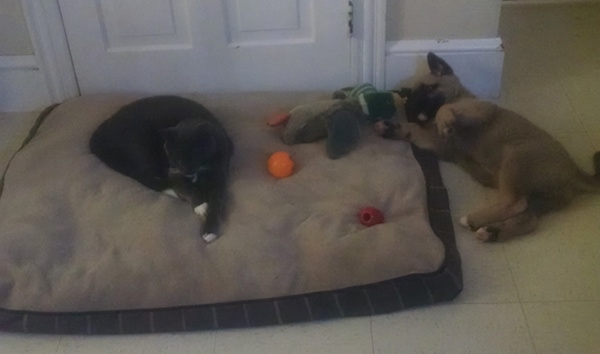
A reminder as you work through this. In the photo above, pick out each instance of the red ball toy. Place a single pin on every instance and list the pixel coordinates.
(370, 216)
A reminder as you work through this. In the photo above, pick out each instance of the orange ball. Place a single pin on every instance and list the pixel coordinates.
(280, 164)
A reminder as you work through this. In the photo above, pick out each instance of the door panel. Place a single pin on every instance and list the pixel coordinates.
(247, 26)
(164, 25)
(159, 46)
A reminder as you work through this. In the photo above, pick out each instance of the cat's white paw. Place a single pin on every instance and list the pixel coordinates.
(201, 210)
(208, 238)
(171, 192)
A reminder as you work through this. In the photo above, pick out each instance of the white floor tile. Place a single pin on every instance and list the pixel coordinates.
(582, 91)
(465, 194)
(486, 274)
(592, 127)
(339, 336)
(27, 343)
(564, 327)
(580, 148)
(494, 328)
(202, 342)
(546, 105)
(557, 265)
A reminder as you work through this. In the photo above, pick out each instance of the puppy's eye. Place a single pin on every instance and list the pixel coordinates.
(430, 88)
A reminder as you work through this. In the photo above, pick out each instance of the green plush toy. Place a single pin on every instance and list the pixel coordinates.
(337, 120)
(376, 105)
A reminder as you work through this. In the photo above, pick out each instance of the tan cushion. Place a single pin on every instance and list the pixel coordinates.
(78, 236)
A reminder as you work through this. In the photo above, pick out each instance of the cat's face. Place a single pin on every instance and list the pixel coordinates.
(190, 146)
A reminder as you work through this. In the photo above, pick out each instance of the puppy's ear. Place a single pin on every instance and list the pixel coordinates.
(438, 66)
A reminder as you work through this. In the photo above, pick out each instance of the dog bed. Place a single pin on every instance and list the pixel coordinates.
(84, 249)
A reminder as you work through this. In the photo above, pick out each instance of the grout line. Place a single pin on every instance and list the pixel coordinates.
(371, 329)
(519, 297)
(58, 342)
(561, 302)
(574, 108)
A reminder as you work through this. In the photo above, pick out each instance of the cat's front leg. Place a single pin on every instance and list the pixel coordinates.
(208, 201)
(204, 206)
(201, 210)
(213, 210)
(196, 195)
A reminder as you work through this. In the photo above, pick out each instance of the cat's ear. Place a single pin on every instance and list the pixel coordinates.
(168, 134)
(438, 66)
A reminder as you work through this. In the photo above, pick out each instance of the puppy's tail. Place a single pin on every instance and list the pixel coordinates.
(592, 183)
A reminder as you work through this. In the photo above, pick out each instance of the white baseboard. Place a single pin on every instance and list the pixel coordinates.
(23, 86)
(477, 62)
(538, 2)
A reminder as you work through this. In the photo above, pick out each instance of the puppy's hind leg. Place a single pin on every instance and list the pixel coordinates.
(513, 200)
(480, 174)
(503, 210)
(518, 225)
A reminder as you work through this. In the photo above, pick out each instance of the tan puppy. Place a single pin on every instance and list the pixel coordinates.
(497, 147)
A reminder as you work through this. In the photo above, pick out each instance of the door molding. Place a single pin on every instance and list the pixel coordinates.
(51, 48)
(371, 25)
(54, 59)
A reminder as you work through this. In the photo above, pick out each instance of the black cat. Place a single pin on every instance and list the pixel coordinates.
(169, 142)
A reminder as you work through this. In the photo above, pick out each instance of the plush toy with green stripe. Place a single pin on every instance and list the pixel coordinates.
(337, 120)
(376, 105)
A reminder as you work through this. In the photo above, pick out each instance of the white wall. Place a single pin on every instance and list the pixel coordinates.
(407, 20)
(464, 32)
(442, 19)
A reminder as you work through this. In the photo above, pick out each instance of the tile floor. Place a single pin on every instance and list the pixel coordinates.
(536, 294)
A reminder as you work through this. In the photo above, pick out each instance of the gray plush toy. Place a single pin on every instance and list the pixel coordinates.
(337, 120)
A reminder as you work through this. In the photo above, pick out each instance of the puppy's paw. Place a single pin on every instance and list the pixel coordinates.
(201, 210)
(464, 221)
(208, 238)
(445, 119)
(445, 130)
(487, 234)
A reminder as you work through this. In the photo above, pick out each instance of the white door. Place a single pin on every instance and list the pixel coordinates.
(161, 46)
